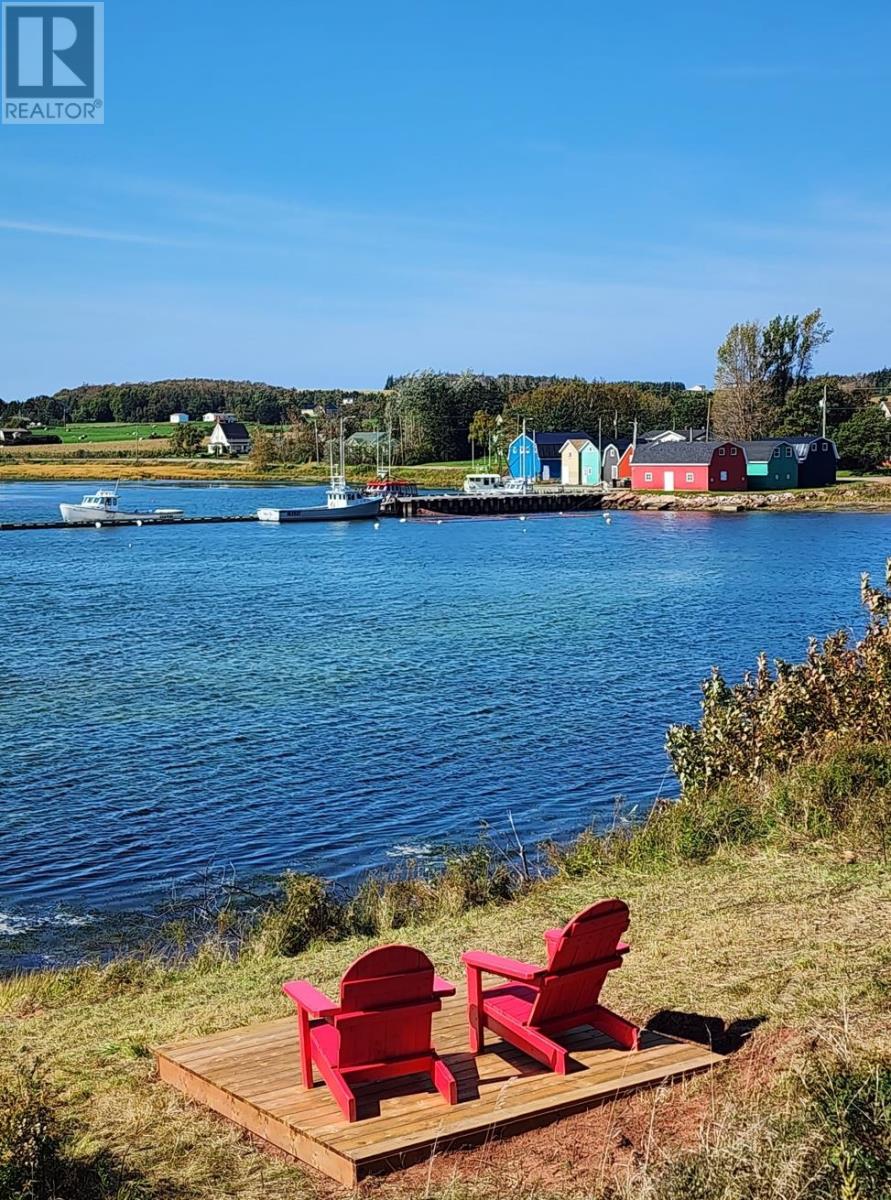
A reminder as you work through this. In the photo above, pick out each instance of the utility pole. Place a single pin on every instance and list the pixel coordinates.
(824, 410)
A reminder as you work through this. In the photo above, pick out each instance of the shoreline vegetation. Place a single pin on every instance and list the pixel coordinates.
(847, 495)
(761, 910)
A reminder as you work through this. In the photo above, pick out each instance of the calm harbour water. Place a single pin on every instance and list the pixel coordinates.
(328, 697)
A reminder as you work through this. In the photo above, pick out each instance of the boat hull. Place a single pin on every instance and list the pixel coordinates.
(79, 514)
(361, 510)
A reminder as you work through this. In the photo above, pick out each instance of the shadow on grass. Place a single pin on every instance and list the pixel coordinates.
(706, 1031)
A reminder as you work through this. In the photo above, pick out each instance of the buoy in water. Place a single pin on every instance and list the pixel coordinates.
(402, 520)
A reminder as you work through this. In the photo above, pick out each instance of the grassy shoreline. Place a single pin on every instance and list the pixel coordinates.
(862, 496)
(791, 940)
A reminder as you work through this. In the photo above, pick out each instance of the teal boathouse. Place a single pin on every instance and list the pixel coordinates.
(771, 465)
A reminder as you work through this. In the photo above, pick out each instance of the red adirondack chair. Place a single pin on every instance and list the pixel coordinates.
(540, 1002)
(380, 1029)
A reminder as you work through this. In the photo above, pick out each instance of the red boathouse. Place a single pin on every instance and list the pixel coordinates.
(688, 467)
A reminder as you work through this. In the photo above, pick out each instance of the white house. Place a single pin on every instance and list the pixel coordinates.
(223, 417)
(179, 418)
(229, 437)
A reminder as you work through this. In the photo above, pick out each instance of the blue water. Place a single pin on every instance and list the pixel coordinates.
(326, 697)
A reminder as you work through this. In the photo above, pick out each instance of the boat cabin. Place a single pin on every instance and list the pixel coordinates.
(476, 484)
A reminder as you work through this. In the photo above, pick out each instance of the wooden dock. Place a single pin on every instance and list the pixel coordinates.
(251, 1077)
(12, 526)
(461, 504)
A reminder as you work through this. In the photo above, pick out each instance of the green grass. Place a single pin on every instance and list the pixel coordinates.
(798, 938)
(118, 431)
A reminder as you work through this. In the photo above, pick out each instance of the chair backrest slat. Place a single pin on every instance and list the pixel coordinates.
(387, 1006)
(579, 959)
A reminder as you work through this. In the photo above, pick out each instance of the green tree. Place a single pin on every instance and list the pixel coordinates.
(482, 427)
(802, 409)
(789, 344)
(186, 439)
(864, 442)
(689, 410)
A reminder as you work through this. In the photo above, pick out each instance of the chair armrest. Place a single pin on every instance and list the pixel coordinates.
(305, 996)
(509, 968)
(442, 987)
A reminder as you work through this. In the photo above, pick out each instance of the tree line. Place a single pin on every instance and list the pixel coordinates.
(764, 386)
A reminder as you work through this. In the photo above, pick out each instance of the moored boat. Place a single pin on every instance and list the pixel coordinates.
(342, 502)
(101, 508)
(386, 488)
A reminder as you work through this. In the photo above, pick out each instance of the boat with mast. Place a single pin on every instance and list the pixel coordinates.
(342, 502)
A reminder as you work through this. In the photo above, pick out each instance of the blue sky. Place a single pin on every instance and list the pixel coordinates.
(321, 194)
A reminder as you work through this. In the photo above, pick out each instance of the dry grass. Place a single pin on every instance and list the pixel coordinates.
(796, 938)
(21, 468)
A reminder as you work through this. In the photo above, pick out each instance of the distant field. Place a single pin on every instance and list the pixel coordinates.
(117, 431)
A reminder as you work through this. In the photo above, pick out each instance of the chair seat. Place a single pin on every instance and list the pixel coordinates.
(512, 1000)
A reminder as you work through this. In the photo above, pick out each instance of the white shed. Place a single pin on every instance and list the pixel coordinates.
(179, 418)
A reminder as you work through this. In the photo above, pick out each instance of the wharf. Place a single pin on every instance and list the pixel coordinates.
(11, 526)
(460, 504)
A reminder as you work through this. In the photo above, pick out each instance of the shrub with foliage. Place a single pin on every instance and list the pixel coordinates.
(773, 721)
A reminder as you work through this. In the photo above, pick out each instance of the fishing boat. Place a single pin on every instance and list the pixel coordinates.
(342, 502)
(101, 508)
(483, 485)
(387, 488)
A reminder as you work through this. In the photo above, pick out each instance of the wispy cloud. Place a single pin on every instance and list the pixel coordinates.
(47, 229)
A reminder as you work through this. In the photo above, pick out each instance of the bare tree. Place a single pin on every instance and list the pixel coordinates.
(741, 382)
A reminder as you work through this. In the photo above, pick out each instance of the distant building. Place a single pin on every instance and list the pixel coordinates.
(770, 464)
(27, 437)
(538, 455)
(689, 467)
(817, 460)
(179, 418)
(616, 459)
(673, 435)
(580, 463)
(365, 447)
(229, 437)
(222, 417)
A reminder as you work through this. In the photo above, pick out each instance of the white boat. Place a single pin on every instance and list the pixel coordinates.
(483, 485)
(343, 503)
(495, 485)
(101, 508)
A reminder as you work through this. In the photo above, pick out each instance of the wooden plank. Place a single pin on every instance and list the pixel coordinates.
(244, 1114)
(251, 1076)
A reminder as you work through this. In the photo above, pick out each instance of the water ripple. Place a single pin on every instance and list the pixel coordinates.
(323, 698)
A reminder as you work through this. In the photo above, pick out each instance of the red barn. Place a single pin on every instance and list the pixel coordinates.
(688, 467)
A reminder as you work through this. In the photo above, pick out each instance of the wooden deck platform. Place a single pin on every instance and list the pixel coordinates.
(251, 1076)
